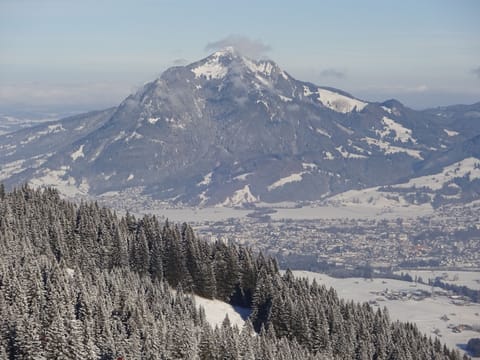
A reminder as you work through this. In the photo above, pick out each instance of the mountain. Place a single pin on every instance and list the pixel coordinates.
(231, 130)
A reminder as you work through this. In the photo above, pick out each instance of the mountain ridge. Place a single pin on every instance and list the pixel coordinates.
(255, 131)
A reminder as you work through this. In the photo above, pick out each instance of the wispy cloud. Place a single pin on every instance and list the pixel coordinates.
(476, 72)
(332, 73)
(245, 45)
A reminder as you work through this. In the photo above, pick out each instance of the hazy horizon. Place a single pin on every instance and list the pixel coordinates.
(91, 55)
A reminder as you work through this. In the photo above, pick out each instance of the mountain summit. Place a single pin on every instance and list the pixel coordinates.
(230, 130)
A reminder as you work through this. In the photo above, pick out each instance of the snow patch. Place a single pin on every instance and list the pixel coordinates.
(78, 154)
(240, 197)
(9, 169)
(242, 177)
(286, 180)
(348, 155)
(58, 178)
(323, 132)
(387, 148)
(153, 121)
(207, 180)
(402, 134)
(309, 166)
(51, 129)
(451, 132)
(386, 109)
(328, 155)
(284, 98)
(134, 135)
(338, 102)
(212, 68)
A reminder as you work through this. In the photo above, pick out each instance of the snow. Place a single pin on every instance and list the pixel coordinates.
(469, 167)
(207, 180)
(120, 136)
(309, 166)
(51, 129)
(402, 134)
(328, 156)
(175, 124)
(307, 91)
(11, 168)
(286, 180)
(212, 68)
(216, 310)
(284, 98)
(348, 155)
(242, 177)
(338, 102)
(134, 135)
(78, 154)
(375, 199)
(470, 279)
(58, 178)
(390, 149)
(323, 132)
(130, 177)
(451, 132)
(153, 121)
(388, 110)
(264, 68)
(426, 313)
(203, 198)
(240, 197)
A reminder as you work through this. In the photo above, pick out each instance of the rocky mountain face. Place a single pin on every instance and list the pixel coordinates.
(230, 130)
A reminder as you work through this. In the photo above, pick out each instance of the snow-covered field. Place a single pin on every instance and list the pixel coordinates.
(470, 279)
(426, 313)
(357, 211)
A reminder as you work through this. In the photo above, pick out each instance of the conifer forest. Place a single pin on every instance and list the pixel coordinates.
(78, 281)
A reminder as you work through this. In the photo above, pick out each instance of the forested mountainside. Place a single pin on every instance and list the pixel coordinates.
(79, 282)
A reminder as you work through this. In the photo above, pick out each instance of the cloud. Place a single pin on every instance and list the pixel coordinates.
(249, 47)
(332, 73)
(476, 72)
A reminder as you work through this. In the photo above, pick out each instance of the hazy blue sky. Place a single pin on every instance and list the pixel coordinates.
(93, 53)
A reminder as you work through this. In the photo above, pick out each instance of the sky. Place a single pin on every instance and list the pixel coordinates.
(91, 54)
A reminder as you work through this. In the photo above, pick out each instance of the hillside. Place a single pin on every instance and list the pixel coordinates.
(78, 282)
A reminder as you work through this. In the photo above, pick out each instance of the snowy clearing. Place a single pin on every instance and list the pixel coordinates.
(216, 310)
